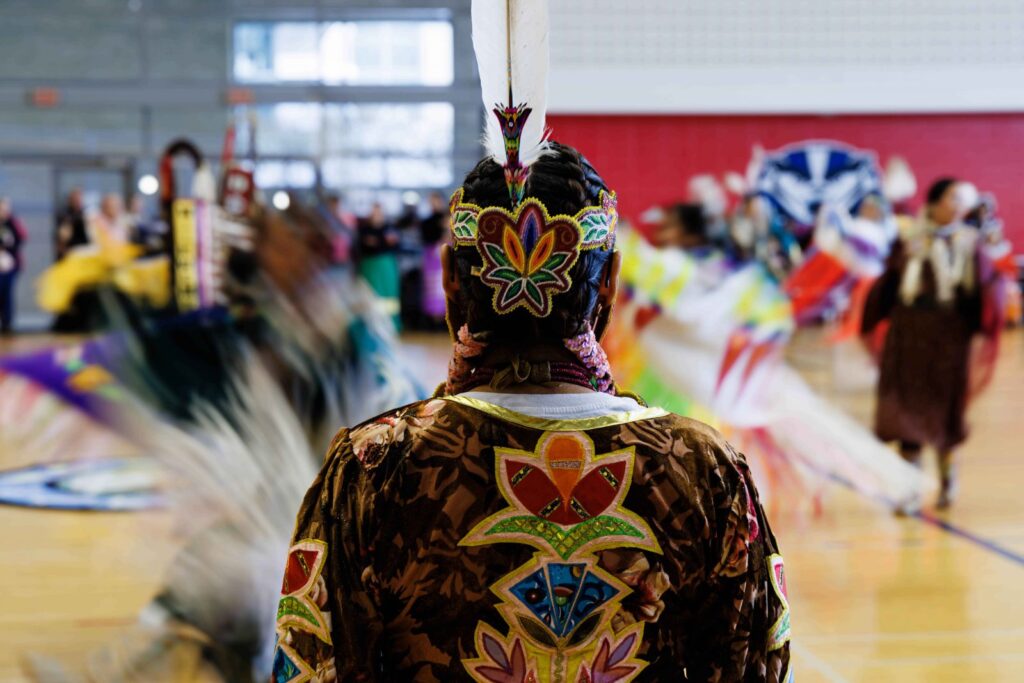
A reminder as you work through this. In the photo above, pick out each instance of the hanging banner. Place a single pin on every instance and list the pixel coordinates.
(186, 255)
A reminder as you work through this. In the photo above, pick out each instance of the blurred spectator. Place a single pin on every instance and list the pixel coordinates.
(410, 262)
(148, 233)
(435, 226)
(12, 236)
(70, 231)
(378, 262)
(433, 231)
(111, 226)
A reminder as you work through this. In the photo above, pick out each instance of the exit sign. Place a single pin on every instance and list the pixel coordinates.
(44, 98)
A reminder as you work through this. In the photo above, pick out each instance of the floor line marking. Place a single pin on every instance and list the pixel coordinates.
(929, 518)
(981, 541)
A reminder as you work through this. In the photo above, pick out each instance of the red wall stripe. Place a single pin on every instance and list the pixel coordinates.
(649, 159)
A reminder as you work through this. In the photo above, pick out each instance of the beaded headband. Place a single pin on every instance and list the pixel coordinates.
(527, 253)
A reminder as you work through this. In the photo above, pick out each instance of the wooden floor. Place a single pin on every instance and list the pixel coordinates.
(875, 598)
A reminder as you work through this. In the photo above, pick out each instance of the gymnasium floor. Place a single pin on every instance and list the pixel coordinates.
(875, 597)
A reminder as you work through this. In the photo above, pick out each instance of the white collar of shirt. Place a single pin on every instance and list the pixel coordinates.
(559, 406)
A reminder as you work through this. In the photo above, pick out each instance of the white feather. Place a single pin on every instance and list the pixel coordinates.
(899, 183)
(530, 58)
(736, 183)
(757, 155)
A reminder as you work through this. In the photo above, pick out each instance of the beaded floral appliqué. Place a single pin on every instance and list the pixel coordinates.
(567, 502)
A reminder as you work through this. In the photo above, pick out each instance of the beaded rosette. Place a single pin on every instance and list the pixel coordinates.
(527, 253)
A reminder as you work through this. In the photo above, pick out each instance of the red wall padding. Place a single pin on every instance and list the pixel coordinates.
(649, 159)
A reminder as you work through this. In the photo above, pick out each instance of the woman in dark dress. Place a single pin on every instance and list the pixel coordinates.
(932, 295)
(378, 260)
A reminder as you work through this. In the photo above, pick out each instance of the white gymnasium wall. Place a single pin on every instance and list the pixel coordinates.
(761, 56)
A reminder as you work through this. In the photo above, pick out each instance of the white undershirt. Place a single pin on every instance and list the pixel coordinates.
(559, 406)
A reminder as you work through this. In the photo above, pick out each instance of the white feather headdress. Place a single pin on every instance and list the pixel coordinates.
(510, 38)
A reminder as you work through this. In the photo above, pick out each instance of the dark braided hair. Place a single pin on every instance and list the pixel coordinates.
(566, 183)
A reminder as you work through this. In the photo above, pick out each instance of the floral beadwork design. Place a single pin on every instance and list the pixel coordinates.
(596, 224)
(526, 256)
(565, 501)
(302, 608)
(463, 219)
(304, 592)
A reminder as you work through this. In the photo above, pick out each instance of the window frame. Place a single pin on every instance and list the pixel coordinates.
(462, 94)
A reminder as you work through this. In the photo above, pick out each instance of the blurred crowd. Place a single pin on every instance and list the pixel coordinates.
(398, 255)
(855, 239)
(111, 223)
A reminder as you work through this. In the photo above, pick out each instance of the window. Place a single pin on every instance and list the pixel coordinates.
(413, 172)
(341, 139)
(356, 145)
(415, 129)
(354, 172)
(290, 174)
(345, 52)
(395, 172)
(290, 128)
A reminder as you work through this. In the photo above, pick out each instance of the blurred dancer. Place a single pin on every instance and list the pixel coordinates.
(684, 226)
(999, 251)
(12, 236)
(71, 230)
(931, 293)
(378, 261)
(236, 410)
(758, 232)
(705, 191)
(531, 524)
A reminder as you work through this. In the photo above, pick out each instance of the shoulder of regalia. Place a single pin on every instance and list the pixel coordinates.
(702, 438)
(393, 431)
